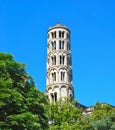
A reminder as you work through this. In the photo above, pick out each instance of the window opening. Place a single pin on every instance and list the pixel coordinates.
(54, 76)
(62, 76)
(55, 34)
(52, 97)
(59, 34)
(54, 60)
(63, 59)
(62, 34)
(52, 35)
(54, 45)
(55, 96)
(62, 45)
(60, 60)
(59, 44)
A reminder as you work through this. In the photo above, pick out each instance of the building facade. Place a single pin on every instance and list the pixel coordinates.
(59, 66)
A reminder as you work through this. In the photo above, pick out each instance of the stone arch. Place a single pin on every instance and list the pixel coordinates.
(50, 94)
(53, 44)
(53, 75)
(56, 91)
(63, 86)
(61, 34)
(53, 58)
(63, 68)
(50, 88)
(62, 59)
(62, 74)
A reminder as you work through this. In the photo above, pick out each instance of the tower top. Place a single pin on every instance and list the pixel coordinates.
(58, 25)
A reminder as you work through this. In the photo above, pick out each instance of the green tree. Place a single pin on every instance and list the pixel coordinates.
(103, 117)
(101, 110)
(22, 106)
(105, 123)
(65, 115)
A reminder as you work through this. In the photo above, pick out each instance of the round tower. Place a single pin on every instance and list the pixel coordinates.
(59, 67)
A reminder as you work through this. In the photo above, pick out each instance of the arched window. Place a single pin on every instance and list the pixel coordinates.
(52, 96)
(62, 76)
(63, 60)
(59, 34)
(54, 45)
(54, 60)
(60, 60)
(55, 96)
(62, 34)
(54, 34)
(61, 44)
(54, 76)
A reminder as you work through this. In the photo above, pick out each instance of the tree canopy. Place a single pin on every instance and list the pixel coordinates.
(66, 116)
(22, 106)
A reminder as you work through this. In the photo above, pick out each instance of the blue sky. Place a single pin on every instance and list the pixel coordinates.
(23, 29)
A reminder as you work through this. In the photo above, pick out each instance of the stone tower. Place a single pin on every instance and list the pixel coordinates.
(59, 67)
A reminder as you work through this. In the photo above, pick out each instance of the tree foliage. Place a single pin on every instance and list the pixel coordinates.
(103, 117)
(22, 106)
(66, 116)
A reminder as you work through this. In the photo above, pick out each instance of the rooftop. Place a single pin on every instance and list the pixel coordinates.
(59, 25)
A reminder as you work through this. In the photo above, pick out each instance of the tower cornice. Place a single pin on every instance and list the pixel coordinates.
(58, 26)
